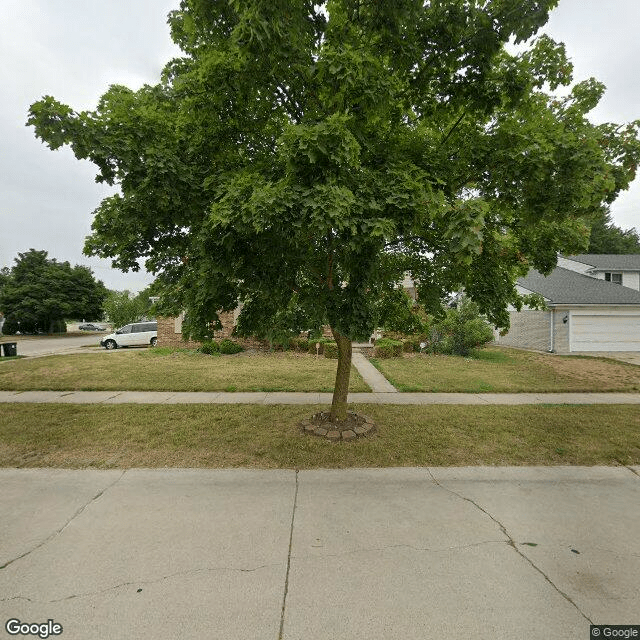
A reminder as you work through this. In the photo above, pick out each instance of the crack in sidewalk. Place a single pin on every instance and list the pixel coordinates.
(57, 532)
(315, 556)
(632, 470)
(129, 583)
(512, 543)
(286, 580)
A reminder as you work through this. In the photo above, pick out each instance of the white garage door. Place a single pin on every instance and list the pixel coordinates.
(605, 333)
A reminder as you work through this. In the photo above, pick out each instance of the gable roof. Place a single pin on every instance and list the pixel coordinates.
(563, 286)
(609, 261)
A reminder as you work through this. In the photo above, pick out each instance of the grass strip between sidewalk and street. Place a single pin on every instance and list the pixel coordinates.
(125, 436)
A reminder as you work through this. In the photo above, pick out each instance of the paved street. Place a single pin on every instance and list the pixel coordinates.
(411, 553)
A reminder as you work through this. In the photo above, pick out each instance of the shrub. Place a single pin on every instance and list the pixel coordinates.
(408, 346)
(229, 347)
(299, 344)
(31, 326)
(387, 348)
(59, 326)
(210, 347)
(462, 329)
(330, 350)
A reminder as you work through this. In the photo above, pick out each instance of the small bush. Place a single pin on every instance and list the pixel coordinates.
(59, 326)
(229, 347)
(462, 330)
(331, 350)
(210, 347)
(387, 348)
(300, 344)
(408, 346)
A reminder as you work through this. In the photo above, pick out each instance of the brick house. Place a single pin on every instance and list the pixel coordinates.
(170, 332)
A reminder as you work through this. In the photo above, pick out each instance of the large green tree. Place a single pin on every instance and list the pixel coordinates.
(319, 151)
(606, 237)
(122, 307)
(39, 293)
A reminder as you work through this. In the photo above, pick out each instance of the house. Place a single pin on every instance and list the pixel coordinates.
(170, 330)
(593, 304)
(619, 269)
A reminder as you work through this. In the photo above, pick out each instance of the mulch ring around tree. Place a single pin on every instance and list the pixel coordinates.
(355, 426)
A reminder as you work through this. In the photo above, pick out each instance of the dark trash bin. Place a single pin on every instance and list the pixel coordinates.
(9, 349)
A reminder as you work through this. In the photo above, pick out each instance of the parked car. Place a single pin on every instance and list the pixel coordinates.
(134, 334)
(91, 327)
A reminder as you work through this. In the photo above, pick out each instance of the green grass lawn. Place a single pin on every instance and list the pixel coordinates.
(178, 370)
(125, 436)
(497, 369)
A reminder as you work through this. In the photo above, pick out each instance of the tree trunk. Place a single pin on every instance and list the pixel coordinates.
(341, 389)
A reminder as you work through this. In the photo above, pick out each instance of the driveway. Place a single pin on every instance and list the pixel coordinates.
(44, 345)
(632, 357)
(411, 553)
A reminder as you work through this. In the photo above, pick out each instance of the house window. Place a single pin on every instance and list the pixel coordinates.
(616, 278)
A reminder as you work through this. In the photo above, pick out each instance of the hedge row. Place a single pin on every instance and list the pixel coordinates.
(225, 346)
(387, 348)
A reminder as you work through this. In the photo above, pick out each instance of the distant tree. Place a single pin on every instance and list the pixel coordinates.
(122, 307)
(5, 272)
(606, 237)
(321, 150)
(39, 293)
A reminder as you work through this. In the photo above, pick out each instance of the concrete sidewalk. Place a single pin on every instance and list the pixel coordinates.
(376, 381)
(267, 398)
(413, 553)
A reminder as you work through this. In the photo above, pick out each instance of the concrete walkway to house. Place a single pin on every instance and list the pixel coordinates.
(376, 381)
(360, 554)
(269, 398)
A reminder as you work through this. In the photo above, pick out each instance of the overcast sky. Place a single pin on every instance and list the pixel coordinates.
(73, 49)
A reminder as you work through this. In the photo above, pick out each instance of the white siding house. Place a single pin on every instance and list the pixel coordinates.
(586, 309)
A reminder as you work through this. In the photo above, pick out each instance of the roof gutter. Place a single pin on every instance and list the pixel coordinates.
(593, 304)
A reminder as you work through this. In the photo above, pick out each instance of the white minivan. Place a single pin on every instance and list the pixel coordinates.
(134, 334)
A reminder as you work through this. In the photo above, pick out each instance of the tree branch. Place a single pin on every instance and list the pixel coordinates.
(455, 126)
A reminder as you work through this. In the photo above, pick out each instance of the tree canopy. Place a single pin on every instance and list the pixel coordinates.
(606, 237)
(121, 307)
(310, 154)
(38, 293)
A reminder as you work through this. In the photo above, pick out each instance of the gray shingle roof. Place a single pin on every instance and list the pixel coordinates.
(608, 261)
(563, 286)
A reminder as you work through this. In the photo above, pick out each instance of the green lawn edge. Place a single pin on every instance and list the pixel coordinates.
(222, 436)
(180, 370)
(503, 370)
